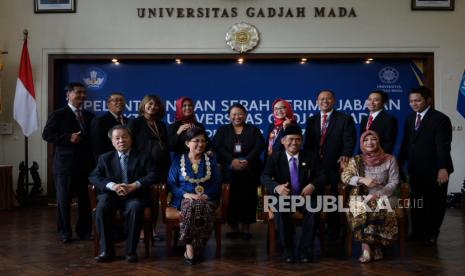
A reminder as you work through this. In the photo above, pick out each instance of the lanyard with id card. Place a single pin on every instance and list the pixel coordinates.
(237, 145)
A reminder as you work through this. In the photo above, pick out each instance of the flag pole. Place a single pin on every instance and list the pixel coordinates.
(26, 149)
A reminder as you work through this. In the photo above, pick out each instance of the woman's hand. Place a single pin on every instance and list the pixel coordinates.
(183, 127)
(195, 196)
(369, 182)
(286, 123)
(239, 165)
(371, 197)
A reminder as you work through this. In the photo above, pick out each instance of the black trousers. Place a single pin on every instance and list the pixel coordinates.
(67, 185)
(286, 231)
(427, 218)
(132, 211)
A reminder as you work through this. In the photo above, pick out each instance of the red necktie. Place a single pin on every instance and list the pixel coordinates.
(120, 120)
(323, 129)
(418, 122)
(370, 121)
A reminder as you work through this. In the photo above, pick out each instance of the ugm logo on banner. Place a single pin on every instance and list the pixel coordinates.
(216, 84)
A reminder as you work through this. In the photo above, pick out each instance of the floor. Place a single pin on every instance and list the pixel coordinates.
(29, 246)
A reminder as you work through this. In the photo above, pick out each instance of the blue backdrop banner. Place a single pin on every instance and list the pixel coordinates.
(215, 85)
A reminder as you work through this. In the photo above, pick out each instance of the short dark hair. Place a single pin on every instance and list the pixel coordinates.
(424, 91)
(114, 94)
(237, 105)
(384, 95)
(195, 131)
(110, 132)
(326, 90)
(157, 100)
(70, 86)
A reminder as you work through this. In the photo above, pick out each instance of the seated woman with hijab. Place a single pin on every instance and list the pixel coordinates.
(283, 117)
(184, 120)
(373, 174)
(194, 183)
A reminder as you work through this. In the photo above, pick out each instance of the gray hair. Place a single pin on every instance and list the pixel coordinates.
(110, 132)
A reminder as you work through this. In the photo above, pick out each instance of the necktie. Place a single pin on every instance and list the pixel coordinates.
(323, 131)
(418, 122)
(120, 120)
(294, 176)
(79, 118)
(124, 168)
(370, 120)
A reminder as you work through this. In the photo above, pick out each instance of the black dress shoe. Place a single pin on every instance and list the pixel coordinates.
(432, 241)
(158, 238)
(306, 258)
(104, 257)
(189, 261)
(87, 237)
(233, 235)
(66, 240)
(131, 258)
(288, 257)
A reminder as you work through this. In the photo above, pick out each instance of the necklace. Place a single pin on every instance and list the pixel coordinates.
(198, 189)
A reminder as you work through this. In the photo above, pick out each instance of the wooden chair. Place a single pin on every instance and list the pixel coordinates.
(148, 219)
(297, 217)
(401, 214)
(171, 217)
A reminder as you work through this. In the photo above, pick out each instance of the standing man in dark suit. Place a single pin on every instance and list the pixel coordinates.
(100, 125)
(68, 130)
(330, 138)
(122, 179)
(384, 124)
(426, 148)
(291, 172)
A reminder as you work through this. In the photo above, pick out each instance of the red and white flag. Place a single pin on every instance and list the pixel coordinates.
(25, 106)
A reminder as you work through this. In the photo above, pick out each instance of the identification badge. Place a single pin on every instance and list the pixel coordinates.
(199, 190)
(237, 148)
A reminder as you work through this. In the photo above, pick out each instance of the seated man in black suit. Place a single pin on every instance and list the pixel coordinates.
(122, 179)
(100, 125)
(291, 173)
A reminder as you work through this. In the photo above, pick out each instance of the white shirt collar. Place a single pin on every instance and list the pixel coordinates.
(116, 116)
(328, 113)
(121, 153)
(376, 113)
(73, 108)
(290, 156)
(423, 113)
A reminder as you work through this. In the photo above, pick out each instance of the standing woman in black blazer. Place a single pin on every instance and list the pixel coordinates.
(239, 146)
(282, 117)
(184, 120)
(150, 135)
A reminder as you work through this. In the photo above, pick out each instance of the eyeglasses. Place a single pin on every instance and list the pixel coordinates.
(280, 108)
(198, 141)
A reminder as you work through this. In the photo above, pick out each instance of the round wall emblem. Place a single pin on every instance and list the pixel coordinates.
(388, 75)
(242, 37)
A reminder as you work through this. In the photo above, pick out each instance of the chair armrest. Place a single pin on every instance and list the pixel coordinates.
(224, 199)
(163, 196)
(342, 191)
(92, 196)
